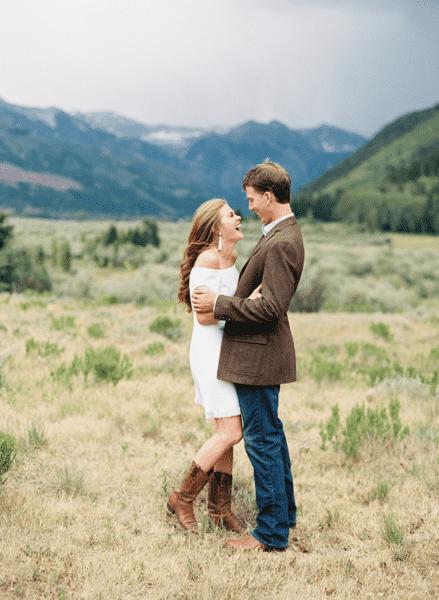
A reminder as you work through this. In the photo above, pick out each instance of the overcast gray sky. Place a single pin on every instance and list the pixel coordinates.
(350, 63)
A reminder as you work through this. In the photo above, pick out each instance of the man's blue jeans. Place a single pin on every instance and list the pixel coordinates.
(267, 449)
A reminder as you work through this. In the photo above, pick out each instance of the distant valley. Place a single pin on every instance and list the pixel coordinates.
(120, 168)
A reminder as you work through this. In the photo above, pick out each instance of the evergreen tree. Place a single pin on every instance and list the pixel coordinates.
(40, 256)
(5, 231)
(54, 252)
(151, 231)
(110, 236)
(137, 238)
(66, 256)
(431, 212)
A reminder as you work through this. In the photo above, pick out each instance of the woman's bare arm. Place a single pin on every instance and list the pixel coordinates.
(206, 318)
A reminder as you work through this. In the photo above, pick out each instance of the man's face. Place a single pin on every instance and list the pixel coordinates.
(259, 203)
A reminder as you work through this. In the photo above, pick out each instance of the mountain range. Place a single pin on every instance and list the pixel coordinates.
(55, 164)
(396, 144)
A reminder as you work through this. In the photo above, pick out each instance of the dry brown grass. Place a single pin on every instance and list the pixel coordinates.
(83, 515)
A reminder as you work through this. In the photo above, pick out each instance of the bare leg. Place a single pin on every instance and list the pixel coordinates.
(228, 432)
(219, 502)
(225, 463)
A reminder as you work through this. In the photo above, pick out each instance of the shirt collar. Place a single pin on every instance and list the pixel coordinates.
(267, 228)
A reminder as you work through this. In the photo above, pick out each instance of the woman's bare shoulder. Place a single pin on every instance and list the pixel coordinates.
(208, 259)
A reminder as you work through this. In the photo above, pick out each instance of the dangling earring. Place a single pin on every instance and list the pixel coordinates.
(220, 241)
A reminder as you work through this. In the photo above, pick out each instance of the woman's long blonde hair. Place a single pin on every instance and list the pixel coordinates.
(206, 220)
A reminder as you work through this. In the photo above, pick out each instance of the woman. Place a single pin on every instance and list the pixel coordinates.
(209, 260)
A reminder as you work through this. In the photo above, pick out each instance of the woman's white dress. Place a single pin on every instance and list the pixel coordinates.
(219, 398)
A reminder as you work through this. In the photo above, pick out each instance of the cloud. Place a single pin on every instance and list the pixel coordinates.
(192, 62)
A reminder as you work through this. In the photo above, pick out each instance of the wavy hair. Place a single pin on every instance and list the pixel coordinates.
(202, 234)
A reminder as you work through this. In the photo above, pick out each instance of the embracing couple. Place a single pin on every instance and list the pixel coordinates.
(241, 351)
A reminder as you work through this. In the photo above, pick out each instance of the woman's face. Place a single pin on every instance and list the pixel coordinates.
(230, 224)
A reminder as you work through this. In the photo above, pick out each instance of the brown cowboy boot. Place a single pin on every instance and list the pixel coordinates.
(220, 502)
(180, 501)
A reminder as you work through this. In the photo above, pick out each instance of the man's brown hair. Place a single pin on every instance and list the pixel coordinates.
(269, 177)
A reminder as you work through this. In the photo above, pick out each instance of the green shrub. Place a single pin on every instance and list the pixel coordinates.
(321, 368)
(108, 300)
(351, 349)
(19, 272)
(69, 481)
(391, 531)
(166, 326)
(154, 348)
(329, 431)
(360, 269)
(96, 331)
(36, 436)
(369, 361)
(381, 489)
(43, 349)
(107, 365)
(64, 373)
(373, 363)
(63, 322)
(33, 304)
(373, 425)
(427, 433)
(7, 453)
(310, 297)
(382, 330)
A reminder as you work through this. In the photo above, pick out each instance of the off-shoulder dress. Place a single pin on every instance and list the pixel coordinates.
(219, 398)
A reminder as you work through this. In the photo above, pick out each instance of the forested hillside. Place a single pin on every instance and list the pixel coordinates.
(391, 184)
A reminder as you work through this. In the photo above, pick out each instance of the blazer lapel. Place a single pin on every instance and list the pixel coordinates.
(255, 249)
(290, 221)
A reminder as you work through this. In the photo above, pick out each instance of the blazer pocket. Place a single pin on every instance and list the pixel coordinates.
(247, 354)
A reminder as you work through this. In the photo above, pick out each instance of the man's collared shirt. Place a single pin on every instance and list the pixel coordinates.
(267, 228)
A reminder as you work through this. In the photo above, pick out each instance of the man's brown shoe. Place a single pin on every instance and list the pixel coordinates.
(248, 542)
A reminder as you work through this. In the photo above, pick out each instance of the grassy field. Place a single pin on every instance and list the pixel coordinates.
(352, 270)
(82, 512)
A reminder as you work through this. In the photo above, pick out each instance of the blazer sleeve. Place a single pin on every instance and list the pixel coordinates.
(281, 275)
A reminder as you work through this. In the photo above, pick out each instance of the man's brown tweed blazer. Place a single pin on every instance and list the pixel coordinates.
(257, 346)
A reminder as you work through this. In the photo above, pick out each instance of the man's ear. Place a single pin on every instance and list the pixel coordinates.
(269, 197)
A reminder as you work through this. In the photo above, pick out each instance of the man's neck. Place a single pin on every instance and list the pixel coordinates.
(279, 211)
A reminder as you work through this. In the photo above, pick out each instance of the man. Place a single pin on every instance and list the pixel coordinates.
(257, 352)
